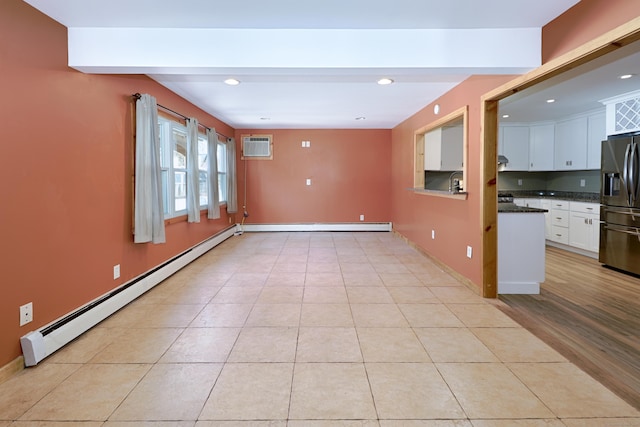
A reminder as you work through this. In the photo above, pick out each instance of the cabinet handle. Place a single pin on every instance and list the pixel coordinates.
(586, 221)
(558, 217)
(589, 209)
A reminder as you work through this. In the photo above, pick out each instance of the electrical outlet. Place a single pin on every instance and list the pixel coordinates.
(433, 234)
(26, 314)
(308, 181)
(116, 271)
(583, 182)
(362, 217)
(469, 251)
(304, 144)
(519, 182)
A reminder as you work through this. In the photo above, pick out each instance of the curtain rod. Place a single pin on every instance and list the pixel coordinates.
(138, 96)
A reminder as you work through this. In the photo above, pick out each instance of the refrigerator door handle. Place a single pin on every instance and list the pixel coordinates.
(625, 173)
(634, 172)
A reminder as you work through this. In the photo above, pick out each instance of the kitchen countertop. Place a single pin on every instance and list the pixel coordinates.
(564, 195)
(513, 208)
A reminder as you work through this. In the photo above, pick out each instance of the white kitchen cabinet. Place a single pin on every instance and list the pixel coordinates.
(584, 226)
(596, 133)
(541, 147)
(570, 148)
(560, 221)
(444, 148)
(513, 142)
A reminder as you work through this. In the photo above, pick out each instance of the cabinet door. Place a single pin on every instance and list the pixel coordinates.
(579, 231)
(570, 149)
(452, 148)
(541, 143)
(594, 241)
(432, 147)
(596, 133)
(515, 146)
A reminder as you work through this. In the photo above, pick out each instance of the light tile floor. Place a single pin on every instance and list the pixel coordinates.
(309, 329)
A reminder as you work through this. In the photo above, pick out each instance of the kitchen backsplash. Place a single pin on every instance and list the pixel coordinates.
(551, 181)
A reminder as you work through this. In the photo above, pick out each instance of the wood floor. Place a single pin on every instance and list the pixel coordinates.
(591, 315)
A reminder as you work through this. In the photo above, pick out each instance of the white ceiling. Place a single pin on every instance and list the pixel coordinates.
(305, 64)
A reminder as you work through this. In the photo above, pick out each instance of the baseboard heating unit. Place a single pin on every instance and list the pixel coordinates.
(339, 226)
(39, 344)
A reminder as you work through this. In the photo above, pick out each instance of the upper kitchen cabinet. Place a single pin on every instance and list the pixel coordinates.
(541, 147)
(444, 147)
(570, 150)
(596, 133)
(513, 143)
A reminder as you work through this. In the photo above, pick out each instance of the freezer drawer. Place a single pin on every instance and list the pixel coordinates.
(629, 217)
(620, 247)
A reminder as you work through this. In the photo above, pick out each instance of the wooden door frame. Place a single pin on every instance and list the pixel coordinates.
(608, 42)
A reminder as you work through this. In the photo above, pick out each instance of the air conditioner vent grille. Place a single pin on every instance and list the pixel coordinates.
(257, 146)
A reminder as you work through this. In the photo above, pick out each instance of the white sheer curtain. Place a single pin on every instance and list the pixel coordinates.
(232, 186)
(148, 220)
(193, 173)
(212, 158)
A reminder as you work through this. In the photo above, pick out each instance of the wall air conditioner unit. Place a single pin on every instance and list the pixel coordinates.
(257, 147)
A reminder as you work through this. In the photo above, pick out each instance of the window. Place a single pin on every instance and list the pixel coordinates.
(173, 162)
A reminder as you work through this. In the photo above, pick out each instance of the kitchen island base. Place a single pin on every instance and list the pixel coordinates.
(521, 252)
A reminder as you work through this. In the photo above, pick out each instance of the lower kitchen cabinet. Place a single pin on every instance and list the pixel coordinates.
(584, 226)
(560, 221)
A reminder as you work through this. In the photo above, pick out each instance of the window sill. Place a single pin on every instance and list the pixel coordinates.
(185, 217)
(441, 193)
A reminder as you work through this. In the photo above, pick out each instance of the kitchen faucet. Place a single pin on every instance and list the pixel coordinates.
(454, 185)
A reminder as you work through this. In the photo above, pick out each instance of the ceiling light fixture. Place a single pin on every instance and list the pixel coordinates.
(505, 116)
(625, 76)
(265, 118)
(232, 82)
(385, 81)
(551, 101)
(360, 118)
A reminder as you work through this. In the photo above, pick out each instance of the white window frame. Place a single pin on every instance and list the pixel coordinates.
(170, 171)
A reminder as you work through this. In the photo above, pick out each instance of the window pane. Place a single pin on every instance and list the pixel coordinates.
(180, 149)
(222, 158)
(165, 142)
(204, 185)
(180, 193)
(165, 192)
(222, 187)
(202, 154)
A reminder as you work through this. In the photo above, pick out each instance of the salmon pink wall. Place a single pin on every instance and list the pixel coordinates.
(584, 22)
(66, 177)
(349, 172)
(457, 223)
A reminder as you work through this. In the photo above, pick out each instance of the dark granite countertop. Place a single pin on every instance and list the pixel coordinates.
(563, 195)
(513, 208)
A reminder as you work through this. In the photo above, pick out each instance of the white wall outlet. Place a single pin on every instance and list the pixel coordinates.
(308, 181)
(26, 314)
(469, 251)
(433, 234)
(519, 182)
(362, 217)
(116, 271)
(583, 182)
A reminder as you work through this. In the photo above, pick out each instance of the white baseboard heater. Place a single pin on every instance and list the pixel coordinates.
(39, 344)
(325, 226)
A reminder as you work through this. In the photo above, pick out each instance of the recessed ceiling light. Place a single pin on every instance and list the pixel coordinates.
(551, 101)
(385, 81)
(232, 82)
(360, 118)
(625, 76)
(505, 116)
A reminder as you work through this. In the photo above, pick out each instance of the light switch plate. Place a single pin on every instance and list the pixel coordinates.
(308, 181)
(469, 251)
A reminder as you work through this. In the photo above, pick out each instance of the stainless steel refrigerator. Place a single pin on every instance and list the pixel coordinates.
(620, 203)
